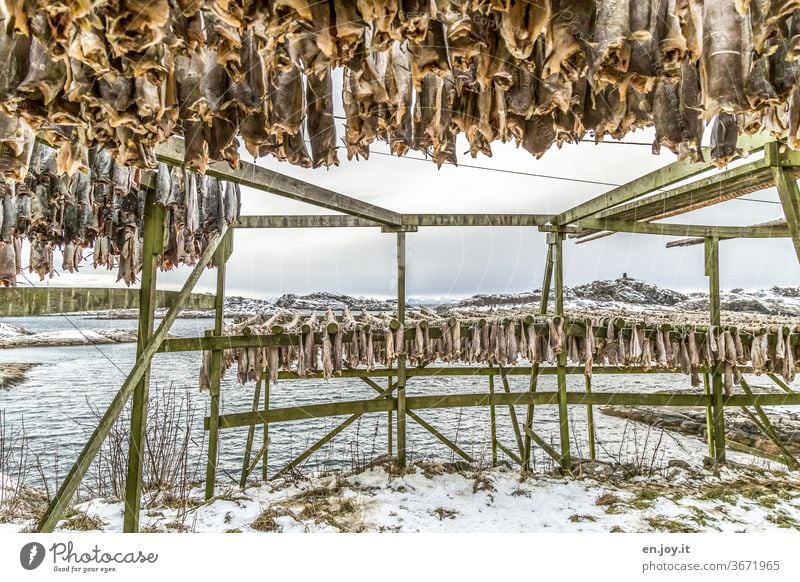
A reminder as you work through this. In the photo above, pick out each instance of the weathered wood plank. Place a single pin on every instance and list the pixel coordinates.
(475, 219)
(276, 415)
(154, 225)
(32, 301)
(265, 180)
(660, 178)
(684, 230)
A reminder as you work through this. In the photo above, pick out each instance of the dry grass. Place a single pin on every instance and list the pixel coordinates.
(82, 521)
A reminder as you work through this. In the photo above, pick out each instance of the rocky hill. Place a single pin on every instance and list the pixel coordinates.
(624, 293)
(324, 300)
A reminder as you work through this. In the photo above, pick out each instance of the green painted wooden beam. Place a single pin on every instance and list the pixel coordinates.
(441, 401)
(32, 301)
(306, 221)
(400, 402)
(265, 180)
(154, 226)
(732, 182)
(660, 178)
(476, 219)
(685, 230)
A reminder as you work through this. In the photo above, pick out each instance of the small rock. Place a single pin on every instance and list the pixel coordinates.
(680, 464)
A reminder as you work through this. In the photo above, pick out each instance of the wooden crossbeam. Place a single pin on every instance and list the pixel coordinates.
(265, 180)
(688, 242)
(441, 401)
(663, 177)
(727, 184)
(476, 219)
(669, 229)
(306, 221)
(410, 222)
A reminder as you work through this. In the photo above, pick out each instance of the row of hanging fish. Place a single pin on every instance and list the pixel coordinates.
(99, 212)
(327, 346)
(127, 75)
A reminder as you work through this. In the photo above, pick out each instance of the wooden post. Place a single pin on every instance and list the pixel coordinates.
(73, 479)
(712, 271)
(709, 416)
(152, 248)
(563, 413)
(401, 360)
(789, 195)
(251, 431)
(492, 420)
(265, 432)
(590, 421)
(215, 371)
(389, 428)
(546, 283)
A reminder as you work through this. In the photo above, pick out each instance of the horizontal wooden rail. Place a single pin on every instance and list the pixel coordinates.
(684, 230)
(441, 401)
(232, 342)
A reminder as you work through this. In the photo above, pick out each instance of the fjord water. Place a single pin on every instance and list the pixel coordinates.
(55, 405)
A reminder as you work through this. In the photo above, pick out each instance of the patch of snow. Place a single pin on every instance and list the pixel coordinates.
(8, 330)
(432, 498)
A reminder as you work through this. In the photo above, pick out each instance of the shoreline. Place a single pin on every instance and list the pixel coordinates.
(13, 374)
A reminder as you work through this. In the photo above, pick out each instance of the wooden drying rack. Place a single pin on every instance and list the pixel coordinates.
(629, 208)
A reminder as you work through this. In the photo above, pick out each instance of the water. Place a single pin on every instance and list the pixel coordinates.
(56, 401)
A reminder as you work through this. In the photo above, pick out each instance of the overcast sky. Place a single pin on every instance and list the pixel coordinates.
(463, 261)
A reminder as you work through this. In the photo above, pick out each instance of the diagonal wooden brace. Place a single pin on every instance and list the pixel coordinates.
(90, 450)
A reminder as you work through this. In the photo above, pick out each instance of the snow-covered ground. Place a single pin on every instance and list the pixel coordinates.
(70, 337)
(439, 498)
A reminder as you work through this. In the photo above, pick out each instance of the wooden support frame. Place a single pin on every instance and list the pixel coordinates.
(768, 429)
(443, 401)
(401, 359)
(670, 229)
(660, 178)
(72, 480)
(215, 369)
(712, 272)
(557, 240)
(492, 420)
(265, 430)
(423, 423)
(329, 436)
(547, 279)
(152, 247)
(251, 433)
(260, 178)
(512, 413)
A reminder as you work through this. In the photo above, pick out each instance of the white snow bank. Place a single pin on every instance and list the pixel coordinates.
(8, 330)
(431, 499)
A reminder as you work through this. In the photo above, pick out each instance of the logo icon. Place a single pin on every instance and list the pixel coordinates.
(31, 555)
